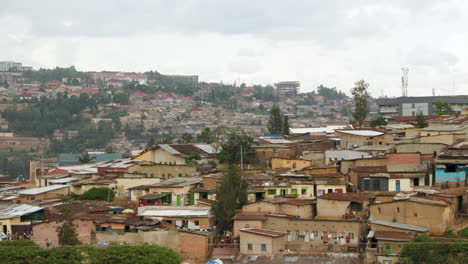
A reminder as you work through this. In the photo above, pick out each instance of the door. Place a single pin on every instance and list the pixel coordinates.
(339, 190)
(388, 250)
(192, 198)
(178, 200)
(397, 185)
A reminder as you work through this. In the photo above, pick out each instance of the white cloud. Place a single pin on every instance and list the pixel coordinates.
(333, 43)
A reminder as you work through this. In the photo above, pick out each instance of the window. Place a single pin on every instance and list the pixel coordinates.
(450, 168)
(197, 223)
(330, 190)
(32, 198)
(293, 191)
(249, 246)
(366, 185)
(272, 191)
(351, 235)
(379, 211)
(263, 247)
(415, 214)
(412, 105)
(294, 165)
(152, 175)
(303, 191)
(275, 154)
(398, 209)
(180, 174)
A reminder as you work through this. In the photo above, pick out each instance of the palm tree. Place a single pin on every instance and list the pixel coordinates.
(85, 158)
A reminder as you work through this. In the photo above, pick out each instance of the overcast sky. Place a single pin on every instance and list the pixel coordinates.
(333, 43)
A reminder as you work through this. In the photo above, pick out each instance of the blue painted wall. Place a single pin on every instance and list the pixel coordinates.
(442, 176)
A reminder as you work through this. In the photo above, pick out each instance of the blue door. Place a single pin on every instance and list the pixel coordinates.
(397, 187)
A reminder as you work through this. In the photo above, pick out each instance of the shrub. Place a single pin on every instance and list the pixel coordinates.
(104, 194)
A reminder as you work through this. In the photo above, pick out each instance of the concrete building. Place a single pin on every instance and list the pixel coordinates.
(255, 241)
(411, 106)
(343, 206)
(452, 165)
(287, 87)
(358, 138)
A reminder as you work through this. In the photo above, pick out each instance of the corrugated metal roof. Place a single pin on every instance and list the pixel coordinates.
(327, 129)
(171, 211)
(65, 180)
(13, 211)
(34, 191)
(169, 149)
(206, 148)
(400, 225)
(177, 182)
(364, 133)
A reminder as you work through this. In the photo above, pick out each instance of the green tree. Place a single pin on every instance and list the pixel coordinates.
(86, 158)
(286, 126)
(361, 101)
(206, 136)
(187, 138)
(379, 121)
(231, 195)
(442, 108)
(421, 121)
(192, 159)
(275, 123)
(67, 234)
(231, 148)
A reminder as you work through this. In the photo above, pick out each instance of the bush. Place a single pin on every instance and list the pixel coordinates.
(464, 232)
(449, 233)
(18, 243)
(104, 194)
(145, 254)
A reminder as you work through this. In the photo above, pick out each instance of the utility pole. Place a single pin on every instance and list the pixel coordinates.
(242, 159)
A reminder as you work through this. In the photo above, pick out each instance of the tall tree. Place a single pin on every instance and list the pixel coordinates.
(231, 195)
(361, 101)
(286, 125)
(442, 108)
(67, 234)
(421, 121)
(231, 148)
(275, 124)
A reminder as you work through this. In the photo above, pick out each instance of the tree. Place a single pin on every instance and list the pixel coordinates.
(101, 193)
(231, 195)
(86, 158)
(275, 123)
(67, 234)
(442, 108)
(187, 138)
(379, 121)
(421, 121)
(361, 101)
(231, 148)
(286, 126)
(192, 159)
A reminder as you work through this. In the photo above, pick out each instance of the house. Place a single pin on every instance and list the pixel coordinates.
(255, 241)
(292, 164)
(335, 155)
(17, 219)
(176, 153)
(343, 206)
(177, 190)
(280, 205)
(358, 138)
(184, 217)
(32, 195)
(389, 244)
(314, 234)
(428, 212)
(452, 165)
(329, 183)
(392, 177)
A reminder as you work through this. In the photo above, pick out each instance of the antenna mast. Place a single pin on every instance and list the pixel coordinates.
(404, 81)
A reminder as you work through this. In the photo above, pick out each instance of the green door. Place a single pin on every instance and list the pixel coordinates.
(192, 198)
(388, 249)
(178, 200)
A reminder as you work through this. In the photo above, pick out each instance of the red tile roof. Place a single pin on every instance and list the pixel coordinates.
(263, 232)
(353, 197)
